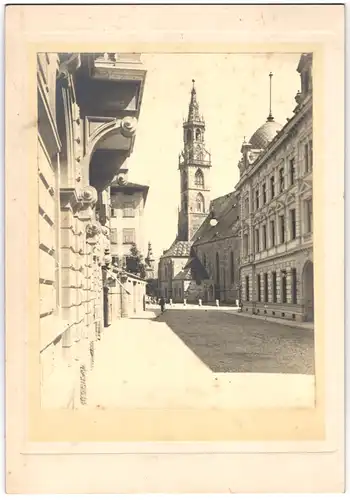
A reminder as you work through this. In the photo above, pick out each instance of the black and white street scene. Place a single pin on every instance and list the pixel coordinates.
(176, 230)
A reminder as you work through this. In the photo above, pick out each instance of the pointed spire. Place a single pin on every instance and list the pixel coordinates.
(193, 110)
(270, 118)
(150, 253)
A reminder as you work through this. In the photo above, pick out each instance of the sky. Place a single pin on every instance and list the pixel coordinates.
(233, 96)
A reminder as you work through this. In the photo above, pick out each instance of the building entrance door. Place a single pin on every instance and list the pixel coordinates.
(308, 289)
(106, 307)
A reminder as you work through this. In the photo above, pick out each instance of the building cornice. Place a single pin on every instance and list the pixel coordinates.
(301, 112)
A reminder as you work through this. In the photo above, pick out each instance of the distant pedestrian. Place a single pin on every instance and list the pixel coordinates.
(162, 304)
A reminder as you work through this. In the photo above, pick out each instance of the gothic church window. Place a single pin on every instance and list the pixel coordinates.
(232, 267)
(198, 135)
(199, 179)
(217, 269)
(189, 135)
(200, 203)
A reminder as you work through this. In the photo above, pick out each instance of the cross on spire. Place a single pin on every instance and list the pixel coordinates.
(270, 118)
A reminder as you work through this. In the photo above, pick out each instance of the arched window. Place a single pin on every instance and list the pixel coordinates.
(189, 135)
(232, 268)
(199, 178)
(198, 135)
(200, 203)
(217, 270)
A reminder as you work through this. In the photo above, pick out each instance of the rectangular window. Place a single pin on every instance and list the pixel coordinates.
(257, 199)
(283, 287)
(259, 287)
(292, 171)
(264, 237)
(273, 236)
(246, 207)
(272, 186)
(266, 288)
(308, 204)
(294, 286)
(245, 245)
(274, 287)
(264, 193)
(257, 240)
(293, 225)
(128, 209)
(113, 212)
(128, 236)
(306, 157)
(247, 288)
(281, 175)
(282, 229)
(114, 236)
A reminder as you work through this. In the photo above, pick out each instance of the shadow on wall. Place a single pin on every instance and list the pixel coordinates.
(229, 343)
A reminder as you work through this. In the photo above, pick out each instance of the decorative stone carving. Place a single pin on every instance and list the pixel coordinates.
(105, 231)
(69, 66)
(121, 180)
(93, 230)
(128, 126)
(89, 196)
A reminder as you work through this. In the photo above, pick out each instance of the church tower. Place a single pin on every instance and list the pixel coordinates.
(194, 167)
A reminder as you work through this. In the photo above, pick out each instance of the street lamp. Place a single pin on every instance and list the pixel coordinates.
(213, 221)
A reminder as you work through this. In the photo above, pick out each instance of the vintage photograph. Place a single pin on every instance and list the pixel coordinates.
(176, 230)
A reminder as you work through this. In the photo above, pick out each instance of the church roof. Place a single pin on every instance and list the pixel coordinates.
(225, 210)
(264, 134)
(184, 275)
(178, 249)
(198, 271)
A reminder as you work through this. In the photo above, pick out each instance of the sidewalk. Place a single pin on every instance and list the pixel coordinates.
(140, 363)
(235, 310)
(286, 322)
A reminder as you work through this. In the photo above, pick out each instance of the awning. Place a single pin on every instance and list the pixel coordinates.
(120, 283)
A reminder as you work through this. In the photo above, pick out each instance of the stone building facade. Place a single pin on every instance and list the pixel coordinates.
(275, 197)
(128, 201)
(88, 107)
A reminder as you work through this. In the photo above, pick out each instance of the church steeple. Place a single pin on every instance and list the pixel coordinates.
(194, 166)
(149, 259)
(193, 109)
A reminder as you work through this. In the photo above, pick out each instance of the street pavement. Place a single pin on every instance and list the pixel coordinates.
(227, 343)
(201, 359)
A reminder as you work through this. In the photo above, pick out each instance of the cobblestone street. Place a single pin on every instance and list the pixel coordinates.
(230, 343)
(198, 359)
